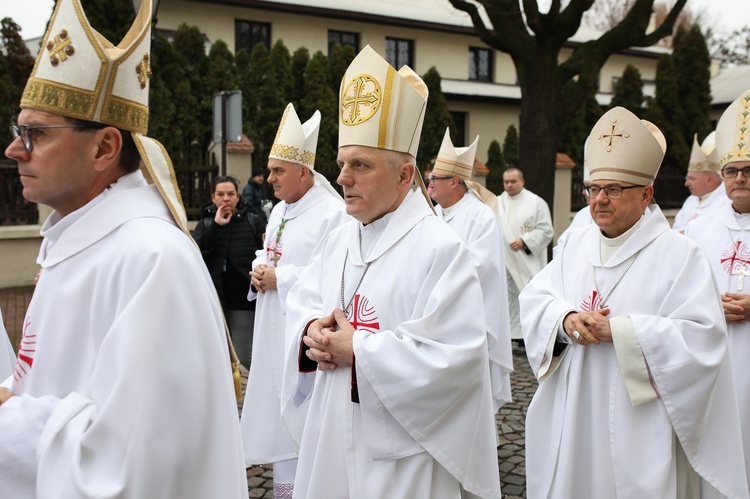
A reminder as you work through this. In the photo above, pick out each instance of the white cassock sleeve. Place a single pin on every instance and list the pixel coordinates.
(543, 232)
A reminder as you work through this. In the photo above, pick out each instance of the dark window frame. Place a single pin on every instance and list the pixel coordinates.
(253, 36)
(478, 74)
(344, 38)
(399, 43)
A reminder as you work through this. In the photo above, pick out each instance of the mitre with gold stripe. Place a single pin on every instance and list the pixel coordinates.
(625, 148)
(459, 162)
(80, 74)
(733, 131)
(704, 157)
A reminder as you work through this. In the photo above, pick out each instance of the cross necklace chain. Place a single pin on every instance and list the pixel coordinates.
(343, 272)
(596, 284)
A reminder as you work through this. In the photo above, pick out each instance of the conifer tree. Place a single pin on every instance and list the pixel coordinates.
(496, 167)
(629, 91)
(692, 67)
(437, 118)
(510, 148)
(16, 64)
(341, 57)
(320, 96)
(300, 60)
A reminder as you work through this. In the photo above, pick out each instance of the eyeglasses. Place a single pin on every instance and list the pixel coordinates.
(26, 137)
(732, 172)
(611, 191)
(433, 178)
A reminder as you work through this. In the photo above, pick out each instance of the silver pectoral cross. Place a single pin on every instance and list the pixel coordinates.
(740, 272)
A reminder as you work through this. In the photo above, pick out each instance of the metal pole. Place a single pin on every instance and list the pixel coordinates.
(223, 133)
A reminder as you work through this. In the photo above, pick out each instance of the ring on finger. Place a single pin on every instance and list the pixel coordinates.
(576, 335)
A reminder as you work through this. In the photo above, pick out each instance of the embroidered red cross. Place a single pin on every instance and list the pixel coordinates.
(593, 303)
(363, 315)
(738, 253)
(25, 353)
(273, 252)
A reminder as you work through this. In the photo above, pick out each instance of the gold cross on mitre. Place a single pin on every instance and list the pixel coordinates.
(144, 71)
(60, 48)
(360, 97)
(613, 135)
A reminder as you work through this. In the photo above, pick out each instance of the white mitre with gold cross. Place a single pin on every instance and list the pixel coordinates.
(459, 162)
(625, 148)
(704, 157)
(380, 107)
(80, 74)
(733, 131)
(296, 142)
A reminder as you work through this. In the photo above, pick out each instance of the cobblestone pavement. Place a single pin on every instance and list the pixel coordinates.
(510, 420)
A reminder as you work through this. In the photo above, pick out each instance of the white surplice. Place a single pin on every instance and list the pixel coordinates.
(122, 386)
(476, 225)
(582, 218)
(695, 207)
(527, 216)
(7, 355)
(727, 245)
(266, 436)
(424, 426)
(595, 427)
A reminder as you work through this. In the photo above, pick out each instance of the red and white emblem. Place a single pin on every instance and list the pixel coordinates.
(273, 252)
(738, 254)
(594, 302)
(362, 316)
(26, 353)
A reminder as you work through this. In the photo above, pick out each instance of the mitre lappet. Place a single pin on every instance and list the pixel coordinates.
(80, 74)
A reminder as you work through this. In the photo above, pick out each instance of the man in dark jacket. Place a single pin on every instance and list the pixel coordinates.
(228, 235)
(254, 194)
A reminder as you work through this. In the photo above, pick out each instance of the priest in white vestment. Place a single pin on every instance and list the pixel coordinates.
(7, 355)
(725, 237)
(309, 209)
(707, 193)
(401, 404)
(123, 385)
(471, 210)
(526, 226)
(625, 332)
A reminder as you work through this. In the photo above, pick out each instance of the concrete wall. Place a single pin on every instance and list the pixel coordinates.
(19, 247)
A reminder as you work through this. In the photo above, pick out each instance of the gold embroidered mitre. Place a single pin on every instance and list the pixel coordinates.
(733, 132)
(294, 141)
(459, 162)
(80, 74)
(380, 107)
(704, 157)
(625, 148)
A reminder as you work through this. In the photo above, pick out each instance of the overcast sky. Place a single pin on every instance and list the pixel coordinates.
(32, 15)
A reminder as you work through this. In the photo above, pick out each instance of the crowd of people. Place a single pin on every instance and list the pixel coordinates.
(376, 326)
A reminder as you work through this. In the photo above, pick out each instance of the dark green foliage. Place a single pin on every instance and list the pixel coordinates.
(692, 68)
(437, 119)
(15, 67)
(496, 167)
(300, 60)
(666, 112)
(576, 128)
(629, 91)
(111, 18)
(320, 96)
(510, 148)
(341, 57)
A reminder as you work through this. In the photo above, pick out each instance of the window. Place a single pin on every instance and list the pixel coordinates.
(480, 64)
(459, 119)
(399, 53)
(344, 38)
(247, 34)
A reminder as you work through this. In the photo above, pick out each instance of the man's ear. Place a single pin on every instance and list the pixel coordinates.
(406, 174)
(108, 147)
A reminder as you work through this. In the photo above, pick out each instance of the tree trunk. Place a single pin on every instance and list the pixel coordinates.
(538, 128)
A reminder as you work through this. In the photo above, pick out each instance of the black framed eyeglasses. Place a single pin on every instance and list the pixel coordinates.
(731, 172)
(433, 178)
(23, 132)
(611, 191)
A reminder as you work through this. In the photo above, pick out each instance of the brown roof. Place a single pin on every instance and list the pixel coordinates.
(563, 160)
(480, 168)
(243, 146)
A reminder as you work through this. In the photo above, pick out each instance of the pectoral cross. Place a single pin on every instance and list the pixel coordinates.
(740, 272)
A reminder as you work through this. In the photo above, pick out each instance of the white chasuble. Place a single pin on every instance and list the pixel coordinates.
(595, 409)
(695, 207)
(7, 356)
(727, 246)
(266, 436)
(423, 426)
(124, 387)
(476, 225)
